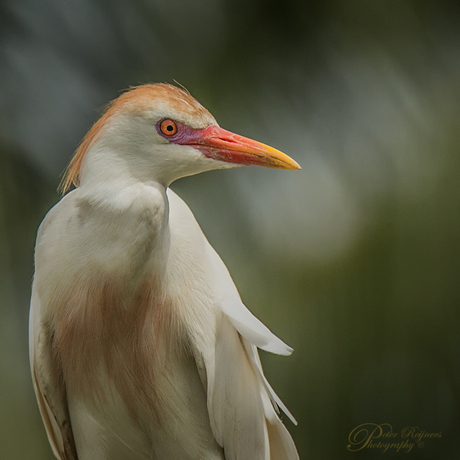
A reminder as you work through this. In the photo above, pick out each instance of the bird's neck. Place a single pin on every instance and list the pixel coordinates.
(132, 218)
(107, 167)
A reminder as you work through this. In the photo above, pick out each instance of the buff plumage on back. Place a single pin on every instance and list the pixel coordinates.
(136, 99)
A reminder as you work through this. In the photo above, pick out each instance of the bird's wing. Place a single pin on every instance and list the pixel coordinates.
(281, 444)
(254, 331)
(242, 405)
(242, 319)
(49, 386)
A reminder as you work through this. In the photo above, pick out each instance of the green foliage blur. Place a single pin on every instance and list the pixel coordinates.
(354, 261)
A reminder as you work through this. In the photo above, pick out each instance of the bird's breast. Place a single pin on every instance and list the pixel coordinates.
(128, 302)
(129, 308)
(105, 301)
(135, 369)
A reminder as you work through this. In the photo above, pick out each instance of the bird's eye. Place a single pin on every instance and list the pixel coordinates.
(168, 127)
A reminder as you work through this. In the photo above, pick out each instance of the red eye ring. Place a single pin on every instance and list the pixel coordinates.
(168, 127)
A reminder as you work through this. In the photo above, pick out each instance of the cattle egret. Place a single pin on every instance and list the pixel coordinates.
(140, 345)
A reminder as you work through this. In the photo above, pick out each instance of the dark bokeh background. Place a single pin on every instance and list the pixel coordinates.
(354, 261)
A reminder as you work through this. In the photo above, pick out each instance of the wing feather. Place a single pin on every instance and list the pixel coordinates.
(274, 398)
(251, 328)
(49, 387)
(234, 403)
(242, 404)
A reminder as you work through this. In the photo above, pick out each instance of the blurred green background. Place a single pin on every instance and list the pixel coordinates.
(354, 261)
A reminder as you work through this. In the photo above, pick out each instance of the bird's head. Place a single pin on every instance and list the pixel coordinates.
(160, 132)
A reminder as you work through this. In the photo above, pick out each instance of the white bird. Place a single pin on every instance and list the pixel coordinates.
(140, 346)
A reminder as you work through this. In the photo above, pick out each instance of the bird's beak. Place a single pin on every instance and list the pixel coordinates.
(219, 144)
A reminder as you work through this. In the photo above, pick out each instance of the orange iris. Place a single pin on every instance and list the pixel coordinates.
(168, 127)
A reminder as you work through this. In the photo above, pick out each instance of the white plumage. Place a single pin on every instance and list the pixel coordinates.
(140, 345)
